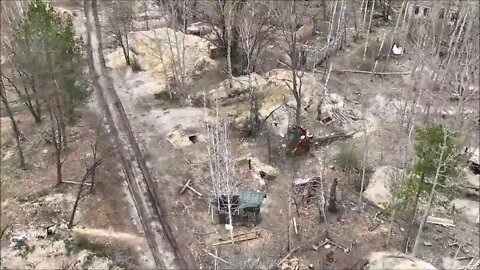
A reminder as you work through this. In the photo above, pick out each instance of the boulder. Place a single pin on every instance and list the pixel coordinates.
(199, 29)
(468, 209)
(239, 86)
(380, 186)
(450, 263)
(395, 261)
(471, 183)
(473, 180)
(240, 122)
(83, 257)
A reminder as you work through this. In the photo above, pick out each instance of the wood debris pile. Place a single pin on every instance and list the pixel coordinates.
(293, 264)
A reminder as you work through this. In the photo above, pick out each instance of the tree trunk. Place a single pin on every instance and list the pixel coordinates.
(295, 89)
(38, 105)
(411, 219)
(59, 106)
(411, 116)
(357, 34)
(298, 111)
(145, 7)
(56, 139)
(58, 161)
(228, 28)
(16, 131)
(126, 54)
(324, 6)
(289, 232)
(368, 29)
(77, 200)
(332, 201)
(364, 164)
(94, 150)
(269, 147)
(390, 228)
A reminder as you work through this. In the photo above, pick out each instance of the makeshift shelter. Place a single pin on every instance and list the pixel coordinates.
(305, 189)
(244, 208)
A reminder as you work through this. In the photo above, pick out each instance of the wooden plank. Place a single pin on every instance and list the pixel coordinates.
(295, 225)
(242, 239)
(371, 72)
(440, 221)
(76, 183)
(220, 259)
(286, 257)
(241, 234)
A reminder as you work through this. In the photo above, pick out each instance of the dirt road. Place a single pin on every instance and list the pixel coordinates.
(158, 233)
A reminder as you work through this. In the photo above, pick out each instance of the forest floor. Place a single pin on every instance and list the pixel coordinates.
(31, 202)
(358, 227)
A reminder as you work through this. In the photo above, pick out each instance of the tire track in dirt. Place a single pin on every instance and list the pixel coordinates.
(158, 233)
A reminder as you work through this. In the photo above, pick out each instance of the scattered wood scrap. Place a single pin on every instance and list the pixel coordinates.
(187, 185)
(240, 238)
(239, 234)
(332, 137)
(371, 72)
(334, 239)
(288, 255)
(220, 259)
(76, 183)
(440, 221)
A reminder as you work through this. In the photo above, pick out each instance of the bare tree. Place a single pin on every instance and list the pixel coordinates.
(247, 41)
(120, 22)
(289, 15)
(369, 28)
(228, 28)
(214, 12)
(221, 165)
(95, 148)
(253, 31)
(320, 201)
(16, 130)
(89, 170)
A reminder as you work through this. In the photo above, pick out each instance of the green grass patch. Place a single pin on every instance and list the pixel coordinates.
(243, 162)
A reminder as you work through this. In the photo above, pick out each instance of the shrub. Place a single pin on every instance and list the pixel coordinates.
(348, 157)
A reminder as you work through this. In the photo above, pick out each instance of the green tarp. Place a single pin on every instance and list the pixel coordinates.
(251, 199)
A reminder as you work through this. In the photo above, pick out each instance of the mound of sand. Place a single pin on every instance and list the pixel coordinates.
(395, 261)
(380, 186)
(166, 51)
